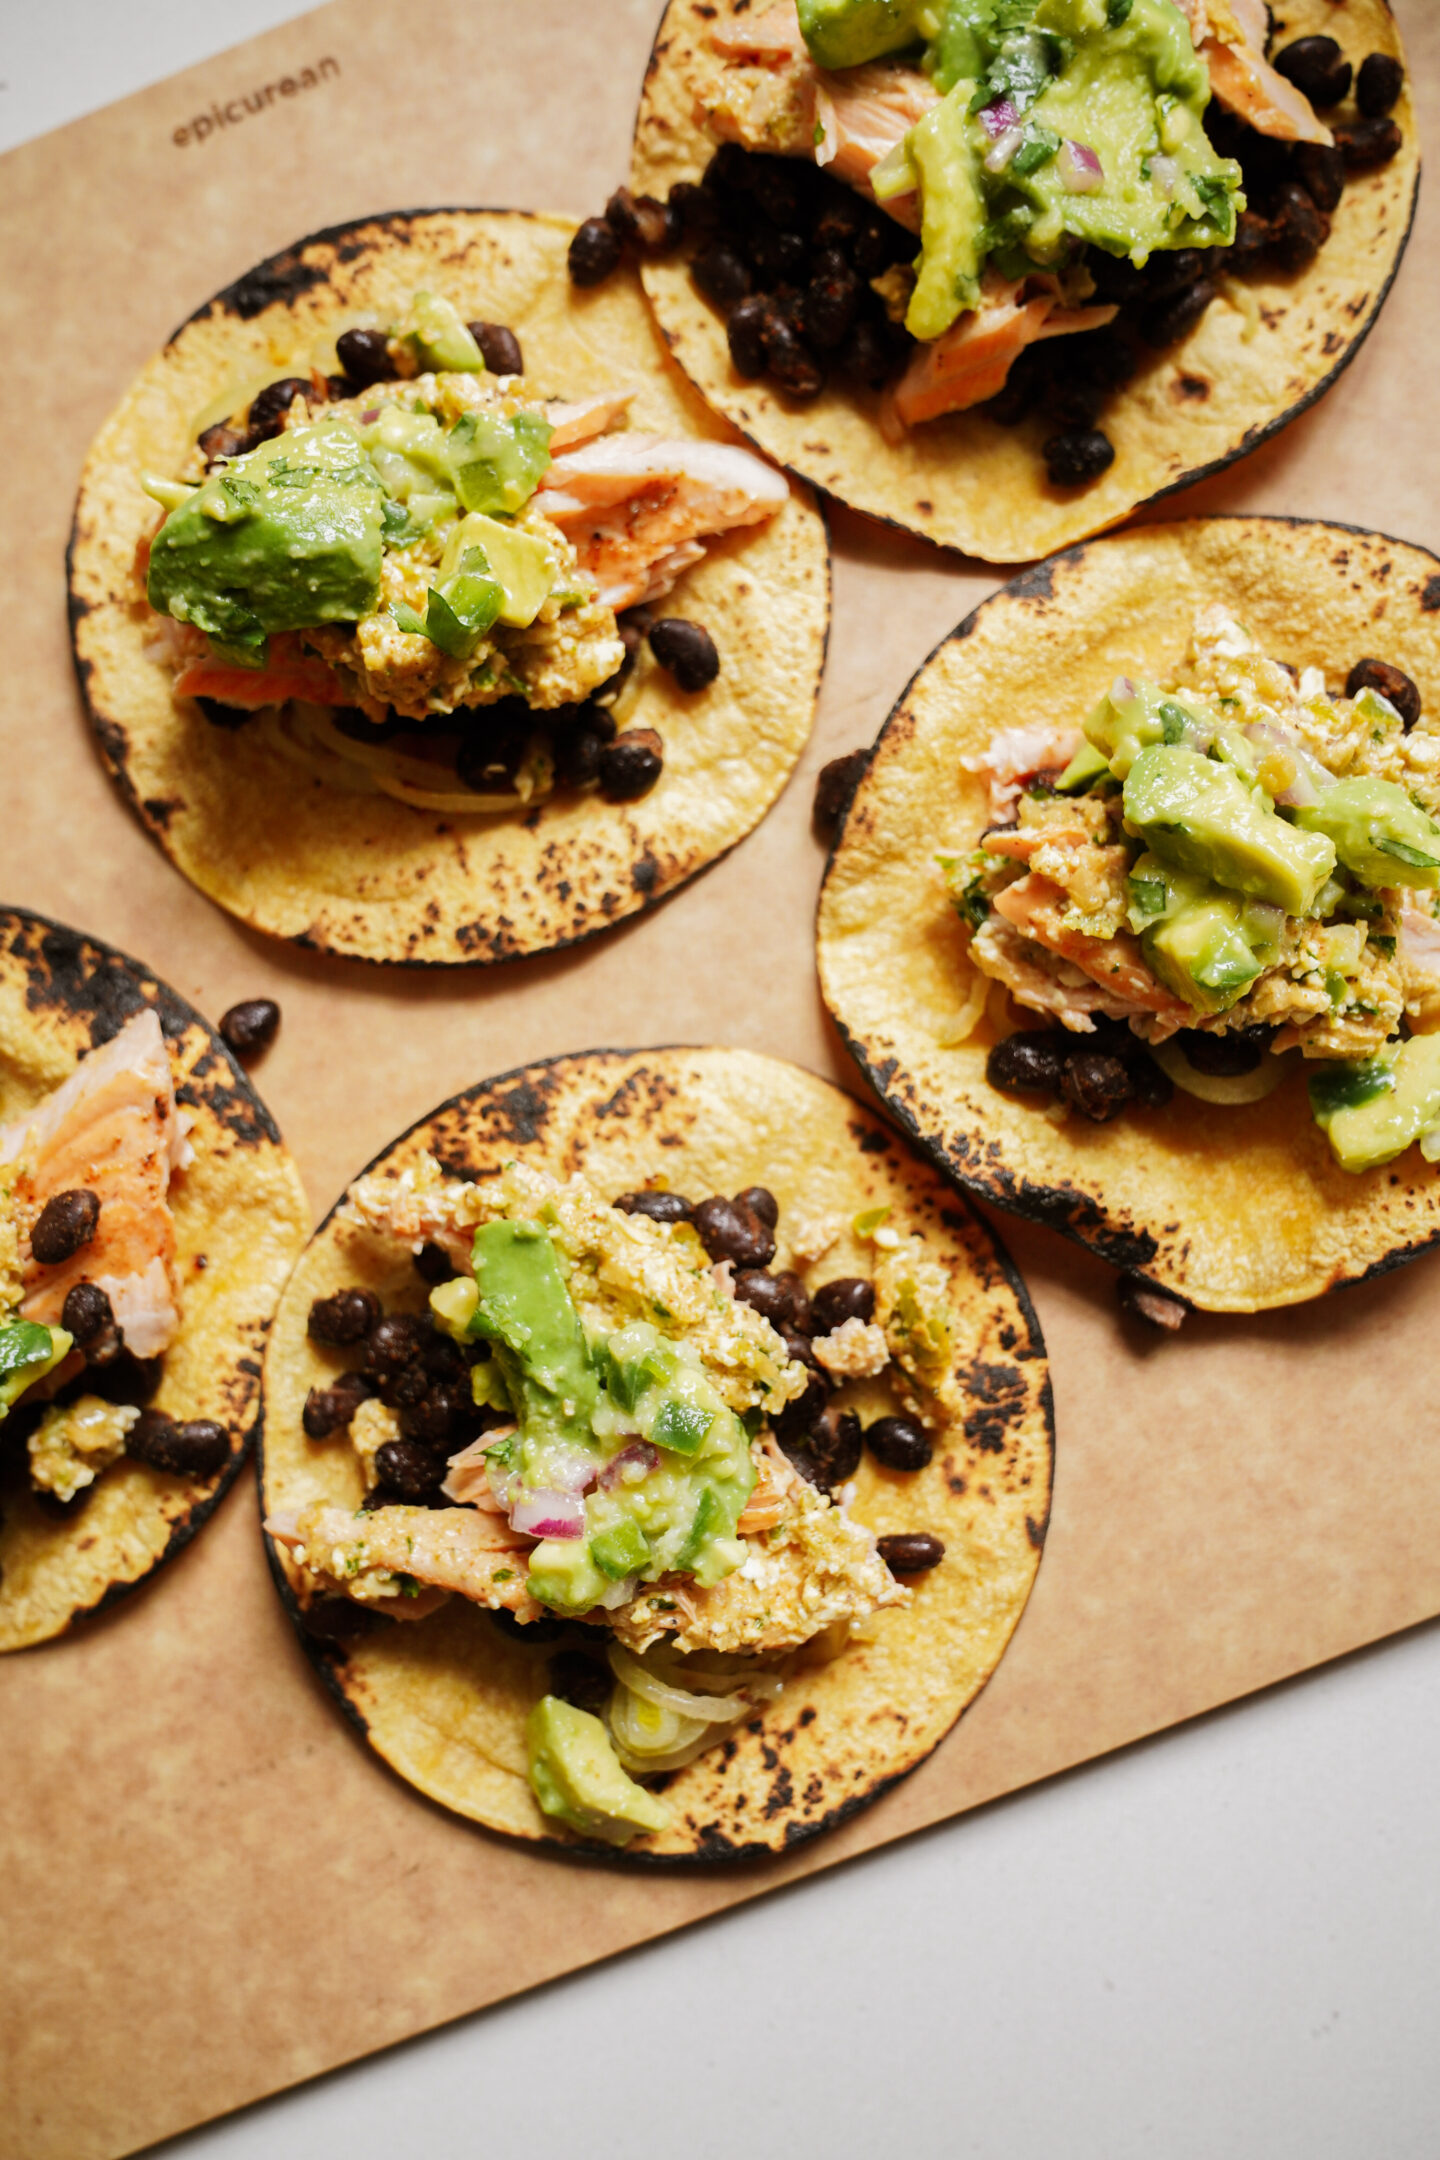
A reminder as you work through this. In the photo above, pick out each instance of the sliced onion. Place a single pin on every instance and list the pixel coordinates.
(710, 1709)
(1228, 1089)
(1081, 172)
(643, 1728)
(545, 1514)
(634, 1451)
(1003, 149)
(999, 118)
(1164, 172)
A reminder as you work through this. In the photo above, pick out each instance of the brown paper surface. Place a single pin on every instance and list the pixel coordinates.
(192, 1845)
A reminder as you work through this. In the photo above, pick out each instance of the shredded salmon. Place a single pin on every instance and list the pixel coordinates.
(1037, 907)
(577, 420)
(455, 1549)
(973, 358)
(1230, 37)
(250, 688)
(112, 1129)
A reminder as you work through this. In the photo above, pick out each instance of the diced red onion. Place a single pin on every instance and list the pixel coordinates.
(1310, 776)
(548, 1514)
(1121, 689)
(1081, 172)
(1165, 173)
(368, 419)
(997, 118)
(635, 1451)
(1003, 149)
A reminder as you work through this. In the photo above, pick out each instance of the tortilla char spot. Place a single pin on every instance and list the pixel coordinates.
(1333, 342)
(925, 509)
(159, 809)
(280, 280)
(807, 1715)
(644, 873)
(1190, 388)
(780, 1796)
(1036, 1531)
(1430, 596)
(521, 1113)
(872, 1142)
(814, 1792)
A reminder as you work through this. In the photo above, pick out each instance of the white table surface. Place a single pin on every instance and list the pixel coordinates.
(1221, 1945)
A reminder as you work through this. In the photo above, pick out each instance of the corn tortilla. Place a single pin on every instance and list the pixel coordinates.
(240, 1219)
(362, 874)
(1233, 1209)
(443, 1700)
(966, 481)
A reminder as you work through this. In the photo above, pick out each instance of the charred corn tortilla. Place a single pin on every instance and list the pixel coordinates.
(364, 875)
(966, 481)
(240, 1219)
(1235, 1209)
(444, 1699)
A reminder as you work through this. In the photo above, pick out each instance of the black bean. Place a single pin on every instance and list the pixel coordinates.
(649, 226)
(578, 1679)
(1169, 269)
(1074, 404)
(393, 1343)
(594, 252)
(790, 362)
(433, 1264)
(442, 1356)
(722, 275)
(51, 1504)
(631, 765)
(867, 355)
(1168, 320)
(827, 310)
(431, 1421)
(499, 347)
(380, 1496)
(224, 440)
(802, 1350)
(1392, 682)
(249, 1028)
(1153, 1087)
(780, 1299)
(834, 1445)
(792, 1426)
(900, 1443)
(729, 171)
(1320, 169)
(338, 1619)
(785, 191)
(270, 405)
(695, 207)
(123, 1378)
(1318, 69)
(762, 1200)
(1077, 457)
(365, 357)
(659, 1206)
(330, 1409)
(1298, 229)
(577, 755)
(546, 1629)
(403, 1387)
(223, 716)
(686, 651)
(730, 1231)
(1141, 1299)
(846, 1297)
(343, 1317)
(86, 1313)
(67, 1222)
(872, 248)
(1029, 1063)
(1253, 232)
(1223, 1056)
(1378, 84)
(195, 1448)
(1367, 143)
(839, 221)
(491, 753)
(1116, 277)
(1098, 1085)
(745, 335)
(410, 1469)
(835, 784)
(908, 1552)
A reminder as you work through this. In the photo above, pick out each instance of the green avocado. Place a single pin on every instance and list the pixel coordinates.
(1121, 727)
(439, 339)
(1373, 1112)
(283, 538)
(576, 1776)
(1199, 816)
(520, 562)
(27, 1352)
(529, 1318)
(1202, 952)
(847, 33)
(1378, 832)
(497, 463)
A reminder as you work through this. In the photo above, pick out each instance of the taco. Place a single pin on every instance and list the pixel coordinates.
(452, 626)
(656, 1456)
(997, 271)
(1132, 917)
(148, 1219)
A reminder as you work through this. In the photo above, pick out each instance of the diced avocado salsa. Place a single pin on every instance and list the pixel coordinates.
(576, 1776)
(293, 534)
(1061, 122)
(27, 1352)
(647, 1469)
(1261, 851)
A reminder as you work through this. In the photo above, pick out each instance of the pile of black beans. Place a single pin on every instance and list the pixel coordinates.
(787, 254)
(416, 1370)
(1099, 1074)
(823, 1442)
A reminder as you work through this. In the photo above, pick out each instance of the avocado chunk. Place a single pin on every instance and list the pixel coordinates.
(945, 149)
(1372, 1112)
(27, 1352)
(520, 563)
(1200, 816)
(284, 538)
(1086, 767)
(528, 1316)
(1202, 952)
(1379, 834)
(433, 330)
(497, 463)
(847, 33)
(576, 1776)
(1121, 727)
